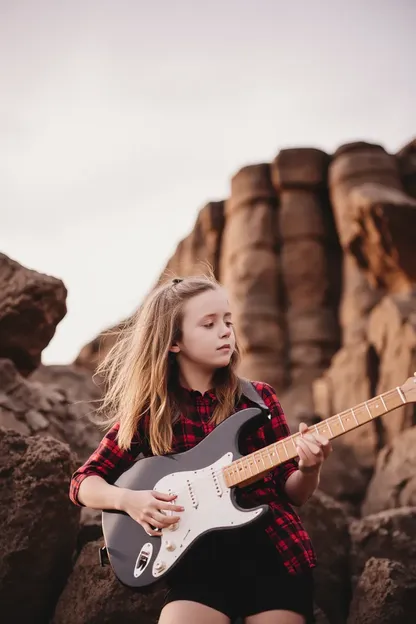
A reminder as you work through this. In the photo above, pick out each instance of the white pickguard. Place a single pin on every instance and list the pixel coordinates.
(207, 505)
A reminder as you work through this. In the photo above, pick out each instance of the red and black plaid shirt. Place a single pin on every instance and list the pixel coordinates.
(284, 528)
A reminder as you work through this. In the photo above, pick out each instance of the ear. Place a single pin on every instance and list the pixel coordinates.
(174, 349)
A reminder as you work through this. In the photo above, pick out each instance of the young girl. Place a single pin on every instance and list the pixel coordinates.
(171, 379)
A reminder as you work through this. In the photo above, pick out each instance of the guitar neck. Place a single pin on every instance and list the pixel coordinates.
(255, 465)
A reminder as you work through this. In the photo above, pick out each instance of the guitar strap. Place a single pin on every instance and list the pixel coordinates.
(250, 392)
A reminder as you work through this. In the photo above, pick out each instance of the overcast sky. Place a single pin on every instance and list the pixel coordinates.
(120, 119)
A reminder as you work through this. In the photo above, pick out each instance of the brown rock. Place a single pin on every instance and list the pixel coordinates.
(249, 270)
(92, 354)
(347, 383)
(406, 159)
(327, 525)
(62, 409)
(357, 300)
(39, 525)
(392, 335)
(301, 215)
(353, 165)
(211, 219)
(260, 366)
(260, 331)
(385, 594)
(383, 223)
(305, 275)
(93, 595)
(314, 326)
(300, 168)
(388, 534)
(394, 480)
(31, 306)
(91, 528)
(297, 400)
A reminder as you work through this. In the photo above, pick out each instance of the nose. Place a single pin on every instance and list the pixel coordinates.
(226, 331)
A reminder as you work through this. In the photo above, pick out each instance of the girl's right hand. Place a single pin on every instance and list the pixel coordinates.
(148, 507)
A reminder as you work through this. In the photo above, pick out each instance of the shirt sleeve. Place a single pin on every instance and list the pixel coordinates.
(108, 461)
(276, 429)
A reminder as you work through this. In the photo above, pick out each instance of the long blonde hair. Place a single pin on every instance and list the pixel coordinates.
(139, 369)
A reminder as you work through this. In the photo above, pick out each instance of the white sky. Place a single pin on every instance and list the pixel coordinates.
(120, 119)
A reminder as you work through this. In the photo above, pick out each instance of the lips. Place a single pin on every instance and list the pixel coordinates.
(224, 347)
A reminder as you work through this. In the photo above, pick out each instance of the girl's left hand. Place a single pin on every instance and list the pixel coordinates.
(312, 448)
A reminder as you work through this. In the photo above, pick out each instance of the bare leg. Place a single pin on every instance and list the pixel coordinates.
(276, 617)
(181, 611)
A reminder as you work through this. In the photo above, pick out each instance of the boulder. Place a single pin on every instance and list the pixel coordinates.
(393, 483)
(385, 594)
(300, 167)
(392, 336)
(93, 595)
(347, 383)
(381, 235)
(388, 534)
(31, 306)
(64, 410)
(39, 525)
(406, 159)
(327, 524)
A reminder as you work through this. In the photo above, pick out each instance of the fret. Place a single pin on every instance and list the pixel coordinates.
(284, 446)
(316, 429)
(355, 417)
(340, 420)
(294, 445)
(368, 409)
(277, 452)
(249, 467)
(329, 427)
(262, 459)
(399, 390)
(384, 405)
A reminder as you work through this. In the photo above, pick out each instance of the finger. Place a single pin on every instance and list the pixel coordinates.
(311, 440)
(164, 497)
(303, 427)
(153, 522)
(310, 445)
(165, 520)
(322, 439)
(302, 457)
(170, 507)
(149, 529)
(310, 455)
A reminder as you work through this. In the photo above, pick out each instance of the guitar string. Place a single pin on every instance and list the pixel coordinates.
(319, 425)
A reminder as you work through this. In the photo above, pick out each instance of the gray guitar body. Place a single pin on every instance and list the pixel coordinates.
(140, 560)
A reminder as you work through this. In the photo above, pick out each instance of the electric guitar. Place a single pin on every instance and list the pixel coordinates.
(205, 479)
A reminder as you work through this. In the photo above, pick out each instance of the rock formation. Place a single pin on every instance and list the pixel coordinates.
(316, 251)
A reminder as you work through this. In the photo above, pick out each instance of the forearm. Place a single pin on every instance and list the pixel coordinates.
(96, 493)
(300, 486)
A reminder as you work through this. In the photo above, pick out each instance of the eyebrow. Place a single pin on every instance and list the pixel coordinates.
(213, 315)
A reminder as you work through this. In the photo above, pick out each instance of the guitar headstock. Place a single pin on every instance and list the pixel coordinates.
(409, 389)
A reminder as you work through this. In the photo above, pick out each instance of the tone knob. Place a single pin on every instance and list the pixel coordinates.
(170, 546)
(160, 565)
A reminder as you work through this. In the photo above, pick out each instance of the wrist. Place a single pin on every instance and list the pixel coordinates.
(310, 470)
(121, 496)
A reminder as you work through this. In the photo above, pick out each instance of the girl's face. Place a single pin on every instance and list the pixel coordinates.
(208, 337)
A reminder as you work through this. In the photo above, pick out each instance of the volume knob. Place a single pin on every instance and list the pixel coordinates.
(159, 566)
(170, 546)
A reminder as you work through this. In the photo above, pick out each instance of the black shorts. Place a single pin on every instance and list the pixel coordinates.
(239, 572)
